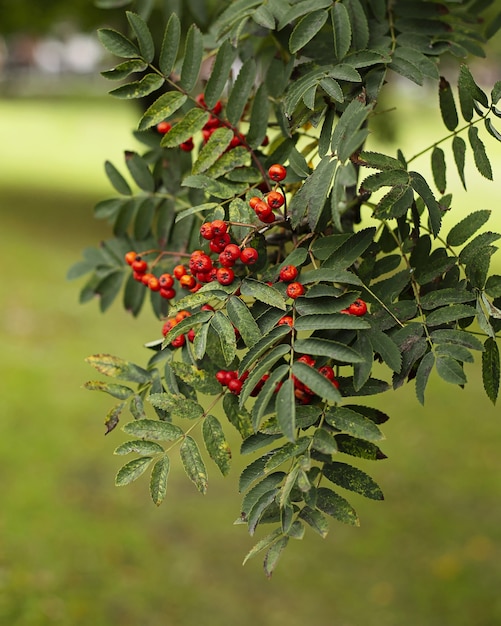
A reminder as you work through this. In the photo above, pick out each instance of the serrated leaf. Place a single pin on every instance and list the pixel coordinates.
(491, 369)
(117, 43)
(451, 313)
(449, 295)
(285, 406)
(379, 161)
(459, 151)
(491, 129)
(336, 506)
(240, 91)
(266, 394)
(351, 249)
(260, 112)
(333, 321)
(468, 226)
(288, 451)
(132, 470)
(165, 106)
(388, 350)
(193, 464)
(226, 333)
(262, 292)
(359, 24)
(326, 347)
(238, 416)
(212, 150)
(216, 444)
(341, 30)
(353, 479)
(143, 35)
(422, 375)
(176, 404)
(170, 45)
(122, 70)
(219, 74)
(158, 480)
(264, 365)
(450, 370)
(306, 29)
(140, 88)
(420, 185)
(192, 62)
(315, 519)
(113, 417)
(264, 543)
(192, 122)
(479, 154)
(116, 179)
(157, 430)
(438, 168)
(121, 392)
(197, 378)
(140, 171)
(324, 442)
(139, 446)
(118, 368)
(350, 421)
(315, 381)
(273, 554)
(235, 158)
(241, 317)
(447, 104)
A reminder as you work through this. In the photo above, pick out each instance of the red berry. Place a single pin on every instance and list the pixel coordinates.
(169, 325)
(262, 210)
(163, 127)
(178, 342)
(229, 255)
(145, 279)
(294, 290)
(358, 308)
(187, 281)
(187, 146)
(225, 275)
(327, 371)
(179, 270)
(207, 231)
(190, 335)
(181, 315)
(254, 201)
(154, 284)
(222, 377)
(306, 358)
(167, 293)
(268, 219)
(166, 281)
(277, 172)
(219, 243)
(286, 319)
(199, 263)
(235, 385)
(249, 256)
(259, 385)
(207, 307)
(275, 200)
(303, 396)
(130, 257)
(139, 265)
(219, 227)
(288, 273)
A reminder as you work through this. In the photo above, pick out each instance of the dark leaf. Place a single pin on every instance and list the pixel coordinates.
(491, 369)
(158, 480)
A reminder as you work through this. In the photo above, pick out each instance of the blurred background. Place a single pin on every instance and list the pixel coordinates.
(75, 550)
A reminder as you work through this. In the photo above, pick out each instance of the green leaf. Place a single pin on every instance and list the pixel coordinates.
(116, 179)
(286, 409)
(165, 106)
(327, 347)
(306, 29)
(216, 444)
(273, 554)
(459, 337)
(449, 295)
(240, 91)
(241, 317)
(153, 429)
(239, 417)
(315, 381)
(140, 88)
(262, 292)
(118, 368)
(479, 154)
(336, 506)
(422, 375)
(226, 333)
(315, 519)
(386, 348)
(264, 543)
(170, 45)
(351, 249)
(212, 150)
(235, 158)
(140, 171)
(288, 451)
(158, 480)
(258, 124)
(144, 38)
(117, 44)
(193, 464)
(193, 54)
(121, 392)
(451, 313)
(192, 122)
(346, 138)
(341, 30)
(113, 417)
(324, 442)
(468, 226)
(176, 404)
(490, 369)
(459, 151)
(219, 74)
(447, 104)
(380, 161)
(420, 185)
(352, 479)
(359, 24)
(263, 367)
(333, 321)
(139, 446)
(266, 394)
(132, 470)
(122, 70)
(491, 129)
(202, 380)
(450, 370)
(438, 168)
(349, 421)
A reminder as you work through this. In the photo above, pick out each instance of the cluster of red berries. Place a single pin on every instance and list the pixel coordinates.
(231, 379)
(273, 200)
(288, 274)
(169, 324)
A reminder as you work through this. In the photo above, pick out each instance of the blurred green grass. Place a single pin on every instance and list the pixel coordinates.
(74, 550)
